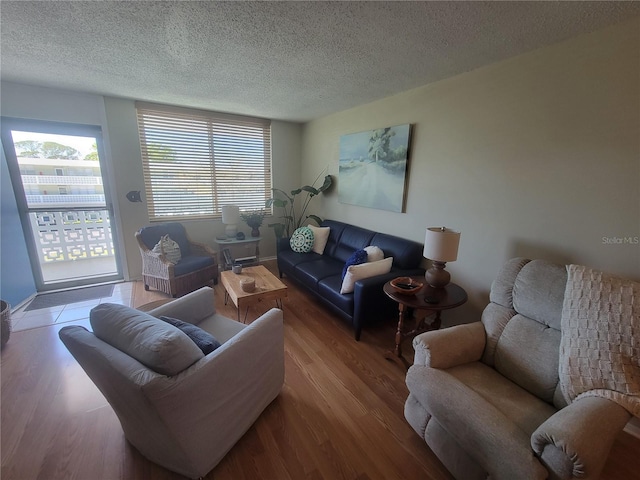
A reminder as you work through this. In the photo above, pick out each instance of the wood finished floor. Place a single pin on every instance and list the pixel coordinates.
(339, 416)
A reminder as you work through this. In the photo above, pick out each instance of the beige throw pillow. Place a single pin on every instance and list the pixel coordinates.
(364, 270)
(169, 247)
(320, 238)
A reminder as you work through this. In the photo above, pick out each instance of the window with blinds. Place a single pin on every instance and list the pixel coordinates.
(196, 161)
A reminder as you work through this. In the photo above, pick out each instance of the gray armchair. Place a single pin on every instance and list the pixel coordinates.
(486, 396)
(180, 408)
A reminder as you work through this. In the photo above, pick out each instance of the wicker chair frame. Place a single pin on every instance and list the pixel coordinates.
(158, 272)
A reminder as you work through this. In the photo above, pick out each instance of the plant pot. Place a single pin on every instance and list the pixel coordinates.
(255, 232)
(5, 322)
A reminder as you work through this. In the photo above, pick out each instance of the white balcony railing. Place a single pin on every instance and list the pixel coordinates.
(60, 180)
(36, 201)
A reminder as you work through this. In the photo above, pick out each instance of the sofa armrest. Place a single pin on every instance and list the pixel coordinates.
(283, 243)
(193, 307)
(575, 441)
(449, 347)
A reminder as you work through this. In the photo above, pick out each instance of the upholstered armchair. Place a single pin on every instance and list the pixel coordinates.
(180, 408)
(489, 398)
(196, 267)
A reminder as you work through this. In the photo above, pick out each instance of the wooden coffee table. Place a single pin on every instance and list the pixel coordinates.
(268, 287)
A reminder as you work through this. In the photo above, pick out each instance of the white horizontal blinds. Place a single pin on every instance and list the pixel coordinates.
(195, 161)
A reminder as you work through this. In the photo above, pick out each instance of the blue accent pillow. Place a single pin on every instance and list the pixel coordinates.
(356, 258)
(204, 340)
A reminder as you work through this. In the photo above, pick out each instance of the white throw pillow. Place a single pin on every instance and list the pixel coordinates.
(374, 254)
(364, 270)
(320, 237)
(169, 248)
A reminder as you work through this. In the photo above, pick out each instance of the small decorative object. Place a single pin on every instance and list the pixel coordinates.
(134, 196)
(440, 246)
(236, 268)
(254, 220)
(5, 322)
(248, 285)
(230, 218)
(240, 236)
(406, 285)
(373, 168)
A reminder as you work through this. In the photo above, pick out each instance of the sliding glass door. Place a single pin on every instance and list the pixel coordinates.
(57, 176)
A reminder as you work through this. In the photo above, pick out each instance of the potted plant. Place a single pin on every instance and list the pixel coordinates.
(254, 220)
(291, 220)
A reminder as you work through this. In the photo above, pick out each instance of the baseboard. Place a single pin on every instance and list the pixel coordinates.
(15, 308)
(633, 427)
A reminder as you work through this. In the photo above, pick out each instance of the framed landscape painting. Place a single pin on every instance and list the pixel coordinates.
(373, 168)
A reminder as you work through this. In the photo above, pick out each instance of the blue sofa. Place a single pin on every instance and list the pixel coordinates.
(321, 275)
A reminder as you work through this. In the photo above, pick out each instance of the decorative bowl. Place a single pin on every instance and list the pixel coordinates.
(406, 285)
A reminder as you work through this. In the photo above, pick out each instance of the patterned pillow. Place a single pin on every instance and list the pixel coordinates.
(302, 240)
(169, 248)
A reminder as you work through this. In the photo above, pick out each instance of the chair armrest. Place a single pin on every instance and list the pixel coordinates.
(202, 250)
(575, 441)
(449, 347)
(230, 386)
(283, 243)
(193, 307)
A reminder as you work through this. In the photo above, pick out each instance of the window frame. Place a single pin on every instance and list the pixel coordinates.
(216, 159)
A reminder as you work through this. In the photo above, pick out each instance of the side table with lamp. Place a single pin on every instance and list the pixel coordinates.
(430, 294)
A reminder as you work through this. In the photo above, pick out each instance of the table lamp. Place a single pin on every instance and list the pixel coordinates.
(440, 246)
(230, 218)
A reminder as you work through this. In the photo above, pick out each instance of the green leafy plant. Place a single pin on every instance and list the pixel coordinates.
(253, 218)
(291, 219)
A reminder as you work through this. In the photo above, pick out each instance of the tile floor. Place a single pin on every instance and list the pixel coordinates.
(73, 312)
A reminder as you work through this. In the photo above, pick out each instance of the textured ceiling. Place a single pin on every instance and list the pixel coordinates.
(283, 60)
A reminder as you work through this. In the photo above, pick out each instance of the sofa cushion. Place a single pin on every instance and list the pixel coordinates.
(302, 240)
(310, 273)
(154, 343)
(204, 340)
(192, 263)
(352, 239)
(504, 451)
(358, 257)
(406, 254)
(538, 292)
(365, 270)
(329, 289)
(320, 238)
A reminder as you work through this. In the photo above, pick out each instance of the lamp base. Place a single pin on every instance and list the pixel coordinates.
(231, 230)
(437, 276)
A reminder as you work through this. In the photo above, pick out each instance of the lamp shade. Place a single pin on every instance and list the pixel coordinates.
(441, 244)
(230, 214)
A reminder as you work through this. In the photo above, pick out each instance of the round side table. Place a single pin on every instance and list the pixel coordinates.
(428, 299)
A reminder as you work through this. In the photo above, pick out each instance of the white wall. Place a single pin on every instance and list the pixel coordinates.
(537, 156)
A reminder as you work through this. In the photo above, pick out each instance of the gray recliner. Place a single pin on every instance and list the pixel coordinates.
(180, 408)
(486, 396)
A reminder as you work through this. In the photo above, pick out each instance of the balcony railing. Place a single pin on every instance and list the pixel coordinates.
(60, 180)
(48, 200)
(73, 235)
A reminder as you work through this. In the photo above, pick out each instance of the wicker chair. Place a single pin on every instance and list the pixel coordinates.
(196, 268)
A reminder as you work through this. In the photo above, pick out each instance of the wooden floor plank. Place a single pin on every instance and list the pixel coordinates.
(339, 415)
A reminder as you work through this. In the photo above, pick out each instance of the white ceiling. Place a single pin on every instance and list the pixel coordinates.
(283, 60)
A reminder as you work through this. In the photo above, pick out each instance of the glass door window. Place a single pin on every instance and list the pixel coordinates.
(60, 189)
